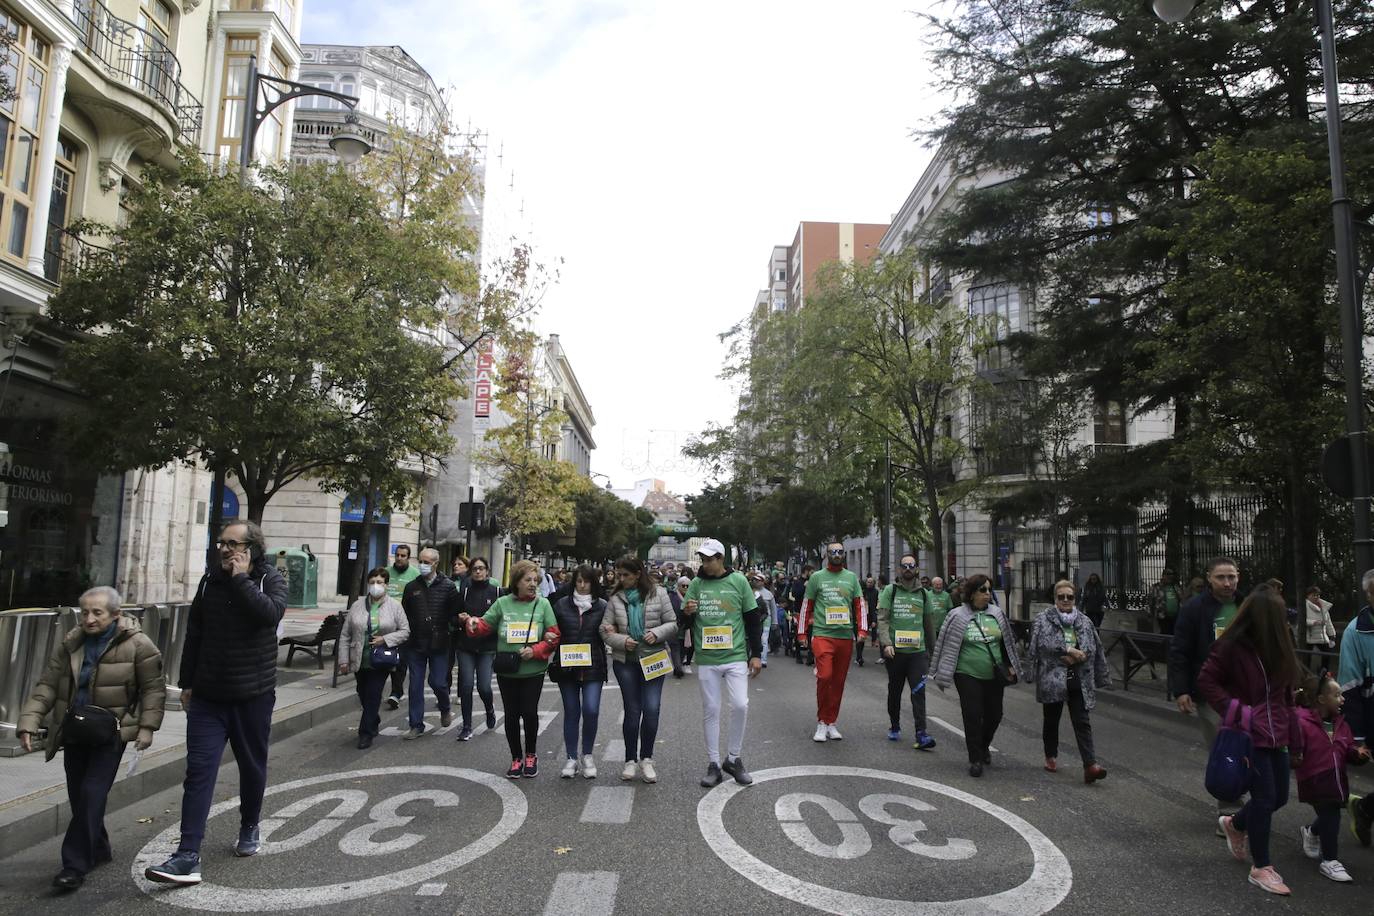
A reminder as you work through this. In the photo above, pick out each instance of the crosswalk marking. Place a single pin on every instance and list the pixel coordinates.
(608, 805)
(958, 731)
(583, 894)
(431, 890)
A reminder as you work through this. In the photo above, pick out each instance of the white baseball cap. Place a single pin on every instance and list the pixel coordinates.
(711, 548)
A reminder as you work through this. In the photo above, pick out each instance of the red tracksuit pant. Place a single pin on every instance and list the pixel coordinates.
(832, 666)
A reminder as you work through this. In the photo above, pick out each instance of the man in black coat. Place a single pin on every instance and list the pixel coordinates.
(229, 666)
(431, 605)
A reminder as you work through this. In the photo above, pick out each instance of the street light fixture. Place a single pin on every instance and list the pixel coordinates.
(1352, 326)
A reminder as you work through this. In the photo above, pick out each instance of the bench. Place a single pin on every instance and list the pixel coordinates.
(314, 645)
(1137, 650)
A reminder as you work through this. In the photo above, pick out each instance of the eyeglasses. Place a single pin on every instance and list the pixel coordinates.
(985, 590)
(837, 553)
(232, 545)
(908, 566)
(1066, 596)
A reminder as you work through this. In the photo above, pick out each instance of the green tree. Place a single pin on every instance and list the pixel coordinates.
(607, 527)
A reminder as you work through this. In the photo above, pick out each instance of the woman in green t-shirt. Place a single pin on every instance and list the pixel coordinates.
(375, 619)
(974, 655)
(525, 625)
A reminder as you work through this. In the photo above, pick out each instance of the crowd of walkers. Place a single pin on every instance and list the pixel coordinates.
(1233, 662)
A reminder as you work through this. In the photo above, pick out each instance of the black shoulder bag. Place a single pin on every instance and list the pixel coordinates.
(509, 662)
(1000, 675)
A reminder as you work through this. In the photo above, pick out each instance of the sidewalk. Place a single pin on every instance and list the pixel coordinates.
(33, 793)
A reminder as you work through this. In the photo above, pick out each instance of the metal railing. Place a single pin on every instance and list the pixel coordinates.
(66, 252)
(141, 60)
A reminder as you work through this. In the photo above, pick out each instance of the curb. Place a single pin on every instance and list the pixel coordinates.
(45, 815)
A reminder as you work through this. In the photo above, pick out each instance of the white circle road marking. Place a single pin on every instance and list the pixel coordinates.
(1050, 881)
(221, 899)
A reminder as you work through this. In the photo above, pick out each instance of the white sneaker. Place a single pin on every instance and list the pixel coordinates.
(647, 766)
(569, 768)
(630, 770)
(820, 732)
(832, 732)
(589, 766)
(686, 669)
(1311, 843)
(1335, 871)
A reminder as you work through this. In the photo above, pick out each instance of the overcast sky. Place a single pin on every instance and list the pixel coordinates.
(661, 149)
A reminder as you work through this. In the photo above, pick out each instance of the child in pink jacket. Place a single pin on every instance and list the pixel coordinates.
(1329, 745)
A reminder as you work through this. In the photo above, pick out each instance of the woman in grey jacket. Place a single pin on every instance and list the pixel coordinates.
(638, 624)
(1067, 664)
(376, 619)
(973, 653)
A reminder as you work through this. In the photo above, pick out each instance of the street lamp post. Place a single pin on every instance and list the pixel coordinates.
(1352, 327)
(348, 143)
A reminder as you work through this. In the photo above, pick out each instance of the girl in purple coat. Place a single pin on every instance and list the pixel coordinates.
(1254, 663)
(1322, 783)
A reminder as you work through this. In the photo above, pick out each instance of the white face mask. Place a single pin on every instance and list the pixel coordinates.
(376, 589)
(425, 569)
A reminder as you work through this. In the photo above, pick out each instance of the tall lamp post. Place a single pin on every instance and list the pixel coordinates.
(348, 143)
(1352, 327)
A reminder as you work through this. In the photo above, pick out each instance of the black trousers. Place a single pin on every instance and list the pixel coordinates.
(904, 672)
(246, 726)
(90, 773)
(980, 703)
(520, 700)
(371, 683)
(1078, 715)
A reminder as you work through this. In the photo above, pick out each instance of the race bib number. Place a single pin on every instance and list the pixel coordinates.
(714, 638)
(837, 616)
(521, 632)
(656, 665)
(1217, 630)
(910, 639)
(575, 655)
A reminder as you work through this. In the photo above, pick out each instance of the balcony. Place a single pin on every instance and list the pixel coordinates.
(66, 252)
(137, 58)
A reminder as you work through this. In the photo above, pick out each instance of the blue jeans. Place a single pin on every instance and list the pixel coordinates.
(580, 701)
(1268, 793)
(474, 668)
(416, 661)
(642, 699)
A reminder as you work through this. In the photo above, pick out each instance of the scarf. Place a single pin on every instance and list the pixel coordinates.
(583, 603)
(634, 610)
(94, 647)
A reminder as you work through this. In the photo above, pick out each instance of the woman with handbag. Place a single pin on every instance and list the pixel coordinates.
(639, 623)
(527, 635)
(475, 656)
(369, 644)
(1253, 666)
(1067, 666)
(973, 653)
(579, 668)
(105, 688)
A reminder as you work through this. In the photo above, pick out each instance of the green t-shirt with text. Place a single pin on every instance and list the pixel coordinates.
(398, 581)
(901, 619)
(974, 657)
(833, 594)
(1070, 636)
(718, 625)
(938, 605)
(1225, 615)
(1171, 602)
(519, 624)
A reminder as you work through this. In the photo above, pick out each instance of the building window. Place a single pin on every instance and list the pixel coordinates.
(1109, 423)
(59, 206)
(156, 17)
(23, 66)
(999, 305)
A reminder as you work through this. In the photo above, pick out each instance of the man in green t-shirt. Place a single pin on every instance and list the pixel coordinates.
(938, 604)
(1165, 600)
(727, 631)
(831, 613)
(402, 573)
(904, 636)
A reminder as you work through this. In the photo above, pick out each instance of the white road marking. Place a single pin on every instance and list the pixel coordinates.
(1050, 881)
(958, 731)
(583, 894)
(608, 805)
(614, 750)
(221, 899)
(431, 890)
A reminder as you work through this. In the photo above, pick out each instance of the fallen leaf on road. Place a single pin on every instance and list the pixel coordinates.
(562, 850)
(145, 820)
(1028, 798)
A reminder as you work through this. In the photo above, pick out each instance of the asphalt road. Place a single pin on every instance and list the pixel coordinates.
(862, 825)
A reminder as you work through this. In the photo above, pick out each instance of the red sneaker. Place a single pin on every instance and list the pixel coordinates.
(517, 769)
(531, 765)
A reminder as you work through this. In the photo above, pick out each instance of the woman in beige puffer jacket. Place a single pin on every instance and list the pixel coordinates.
(124, 676)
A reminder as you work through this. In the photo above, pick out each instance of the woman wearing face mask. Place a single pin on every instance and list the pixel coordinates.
(376, 619)
(1067, 665)
(579, 668)
(475, 655)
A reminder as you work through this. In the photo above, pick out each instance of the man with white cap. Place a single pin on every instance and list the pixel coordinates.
(727, 627)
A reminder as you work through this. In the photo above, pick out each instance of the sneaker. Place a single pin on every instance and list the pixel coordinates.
(250, 842)
(446, 718)
(1051, 765)
(1267, 879)
(1092, 773)
(393, 702)
(465, 734)
(832, 733)
(646, 767)
(736, 769)
(517, 769)
(181, 868)
(1236, 840)
(1335, 871)
(569, 768)
(413, 733)
(686, 669)
(712, 777)
(1311, 843)
(894, 734)
(630, 770)
(1359, 822)
(491, 719)
(531, 766)
(819, 736)
(589, 766)
(924, 742)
